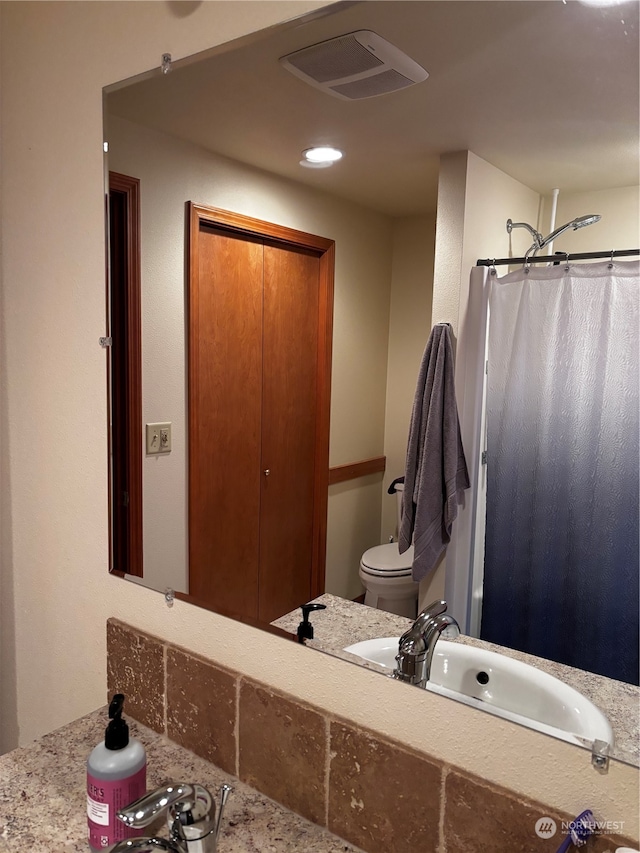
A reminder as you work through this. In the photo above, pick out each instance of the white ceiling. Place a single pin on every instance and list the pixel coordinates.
(547, 91)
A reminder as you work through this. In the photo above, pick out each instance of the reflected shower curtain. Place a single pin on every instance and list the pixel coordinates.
(561, 549)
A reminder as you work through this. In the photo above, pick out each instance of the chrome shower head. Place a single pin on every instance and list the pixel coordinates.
(583, 221)
(579, 222)
(539, 242)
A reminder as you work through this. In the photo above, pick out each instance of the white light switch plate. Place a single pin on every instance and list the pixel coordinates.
(158, 438)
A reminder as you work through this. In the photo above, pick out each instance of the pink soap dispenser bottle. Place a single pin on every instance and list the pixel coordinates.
(116, 776)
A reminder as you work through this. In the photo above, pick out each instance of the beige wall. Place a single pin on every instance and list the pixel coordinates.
(474, 202)
(619, 227)
(370, 512)
(353, 525)
(56, 57)
(409, 327)
(171, 172)
(54, 534)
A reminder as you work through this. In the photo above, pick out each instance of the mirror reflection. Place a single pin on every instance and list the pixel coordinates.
(269, 444)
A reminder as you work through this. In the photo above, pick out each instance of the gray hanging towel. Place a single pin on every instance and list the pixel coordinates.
(435, 470)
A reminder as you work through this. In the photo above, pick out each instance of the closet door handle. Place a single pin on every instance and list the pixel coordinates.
(267, 472)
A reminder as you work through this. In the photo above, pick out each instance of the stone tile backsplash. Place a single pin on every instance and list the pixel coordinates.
(136, 667)
(202, 708)
(283, 750)
(479, 818)
(382, 796)
(375, 793)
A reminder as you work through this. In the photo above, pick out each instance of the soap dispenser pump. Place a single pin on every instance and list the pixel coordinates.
(116, 775)
(305, 628)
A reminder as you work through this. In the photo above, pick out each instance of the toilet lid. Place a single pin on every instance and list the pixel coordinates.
(387, 560)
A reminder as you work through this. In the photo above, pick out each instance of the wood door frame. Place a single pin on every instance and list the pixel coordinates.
(199, 215)
(127, 460)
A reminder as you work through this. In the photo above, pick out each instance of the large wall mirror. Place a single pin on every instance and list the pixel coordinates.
(205, 157)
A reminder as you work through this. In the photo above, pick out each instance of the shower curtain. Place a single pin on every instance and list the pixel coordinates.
(561, 547)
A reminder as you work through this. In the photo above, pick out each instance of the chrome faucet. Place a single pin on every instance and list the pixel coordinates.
(192, 819)
(418, 643)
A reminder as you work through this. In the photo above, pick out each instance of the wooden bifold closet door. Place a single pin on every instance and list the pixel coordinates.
(259, 304)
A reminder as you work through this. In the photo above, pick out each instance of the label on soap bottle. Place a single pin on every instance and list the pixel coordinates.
(104, 800)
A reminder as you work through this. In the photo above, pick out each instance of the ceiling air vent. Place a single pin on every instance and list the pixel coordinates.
(354, 66)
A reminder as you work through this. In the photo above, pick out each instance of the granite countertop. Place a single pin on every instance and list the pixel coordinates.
(43, 805)
(346, 622)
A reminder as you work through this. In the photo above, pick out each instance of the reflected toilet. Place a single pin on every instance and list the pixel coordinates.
(386, 575)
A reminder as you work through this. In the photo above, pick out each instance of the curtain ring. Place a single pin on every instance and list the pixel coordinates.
(610, 265)
(493, 270)
(566, 261)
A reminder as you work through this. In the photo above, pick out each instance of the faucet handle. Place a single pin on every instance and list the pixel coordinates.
(417, 645)
(191, 816)
(191, 798)
(436, 608)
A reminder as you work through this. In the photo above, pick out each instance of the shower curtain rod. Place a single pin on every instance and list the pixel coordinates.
(558, 258)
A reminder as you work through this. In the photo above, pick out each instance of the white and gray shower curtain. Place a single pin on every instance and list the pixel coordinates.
(561, 548)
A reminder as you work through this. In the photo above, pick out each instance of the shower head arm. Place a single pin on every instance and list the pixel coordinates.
(551, 237)
(537, 236)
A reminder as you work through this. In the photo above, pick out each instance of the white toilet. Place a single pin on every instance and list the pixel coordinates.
(386, 575)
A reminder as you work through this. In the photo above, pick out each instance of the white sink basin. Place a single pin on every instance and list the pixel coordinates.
(502, 686)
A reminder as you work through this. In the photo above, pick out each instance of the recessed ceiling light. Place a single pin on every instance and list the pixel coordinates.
(320, 157)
